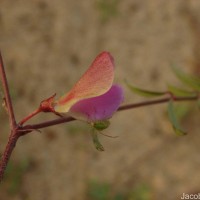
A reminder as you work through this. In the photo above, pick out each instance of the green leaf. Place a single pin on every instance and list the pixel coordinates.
(143, 92)
(96, 142)
(178, 130)
(189, 80)
(179, 91)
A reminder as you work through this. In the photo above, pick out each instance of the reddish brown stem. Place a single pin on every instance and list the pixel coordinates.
(28, 128)
(7, 153)
(48, 123)
(157, 101)
(121, 108)
(13, 134)
(29, 116)
(7, 94)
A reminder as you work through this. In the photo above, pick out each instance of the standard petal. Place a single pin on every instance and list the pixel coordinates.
(98, 108)
(95, 81)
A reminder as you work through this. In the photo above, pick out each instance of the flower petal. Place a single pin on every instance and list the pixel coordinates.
(98, 108)
(95, 81)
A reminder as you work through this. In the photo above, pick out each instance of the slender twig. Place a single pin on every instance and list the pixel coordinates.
(49, 123)
(7, 94)
(29, 116)
(124, 107)
(157, 101)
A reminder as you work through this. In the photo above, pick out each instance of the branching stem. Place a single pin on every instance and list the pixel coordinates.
(19, 129)
(13, 133)
(121, 108)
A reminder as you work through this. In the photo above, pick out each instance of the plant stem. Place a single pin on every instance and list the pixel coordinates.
(13, 137)
(7, 153)
(157, 101)
(20, 131)
(7, 94)
(121, 108)
(29, 116)
(48, 123)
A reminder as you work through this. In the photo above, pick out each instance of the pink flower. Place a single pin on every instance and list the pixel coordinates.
(93, 97)
(98, 108)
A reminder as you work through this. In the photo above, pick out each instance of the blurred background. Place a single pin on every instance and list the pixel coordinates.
(47, 45)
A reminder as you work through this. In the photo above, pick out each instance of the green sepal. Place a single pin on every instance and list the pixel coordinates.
(173, 119)
(189, 80)
(143, 92)
(101, 125)
(96, 142)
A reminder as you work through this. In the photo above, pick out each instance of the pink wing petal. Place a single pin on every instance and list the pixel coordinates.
(98, 108)
(95, 81)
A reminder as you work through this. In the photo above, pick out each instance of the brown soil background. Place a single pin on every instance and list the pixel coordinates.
(47, 45)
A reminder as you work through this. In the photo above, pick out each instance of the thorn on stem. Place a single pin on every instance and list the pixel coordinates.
(4, 104)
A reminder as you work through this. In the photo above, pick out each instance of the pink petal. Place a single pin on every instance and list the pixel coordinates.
(95, 81)
(98, 108)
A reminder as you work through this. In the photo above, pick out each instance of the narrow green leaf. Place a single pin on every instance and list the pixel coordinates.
(96, 142)
(189, 80)
(179, 91)
(143, 92)
(174, 120)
